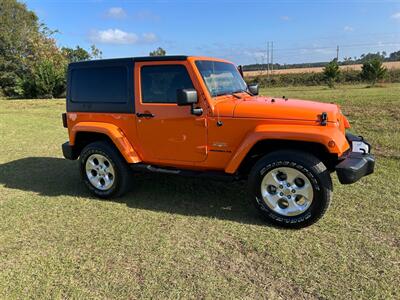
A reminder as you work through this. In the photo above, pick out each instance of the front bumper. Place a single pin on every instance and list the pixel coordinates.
(355, 164)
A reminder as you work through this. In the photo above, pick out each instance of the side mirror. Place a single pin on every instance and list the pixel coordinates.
(253, 88)
(189, 97)
(186, 97)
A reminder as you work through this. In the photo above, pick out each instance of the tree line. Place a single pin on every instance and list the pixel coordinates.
(31, 63)
(394, 56)
(33, 66)
(372, 71)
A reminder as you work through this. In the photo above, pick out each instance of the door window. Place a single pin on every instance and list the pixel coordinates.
(160, 83)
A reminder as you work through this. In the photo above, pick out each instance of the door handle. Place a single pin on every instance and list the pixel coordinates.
(145, 115)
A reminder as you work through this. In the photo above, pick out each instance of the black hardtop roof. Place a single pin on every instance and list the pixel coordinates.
(129, 59)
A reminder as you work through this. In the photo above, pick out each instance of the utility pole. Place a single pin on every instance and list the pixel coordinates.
(272, 58)
(337, 53)
(267, 59)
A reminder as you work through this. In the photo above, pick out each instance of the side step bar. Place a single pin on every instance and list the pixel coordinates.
(190, 173)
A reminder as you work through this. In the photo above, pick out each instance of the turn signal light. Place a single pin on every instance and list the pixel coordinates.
(346, 122)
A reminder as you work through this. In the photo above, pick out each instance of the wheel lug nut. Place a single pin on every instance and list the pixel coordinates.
(288, 185)
(280, 194)
(289, 196)
(281, 186)
(293, 191)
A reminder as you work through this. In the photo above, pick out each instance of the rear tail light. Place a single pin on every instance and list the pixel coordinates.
(64, 120)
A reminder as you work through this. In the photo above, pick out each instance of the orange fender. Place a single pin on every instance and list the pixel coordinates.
(113, 132)
(329, 136)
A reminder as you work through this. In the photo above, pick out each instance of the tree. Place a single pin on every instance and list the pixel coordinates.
(95, 52)
(80, 54)
(395, 56)
(31, 64)
(158, 52)
(19, 28)
(46, 81)
(370, 56)
(331, 73)
(347, 60)
(45, 75)
(373, 70)
(74, 55)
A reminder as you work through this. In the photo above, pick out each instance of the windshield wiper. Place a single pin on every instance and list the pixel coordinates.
(226, 93)
(241, 91)
(234, 94)
(244, 91)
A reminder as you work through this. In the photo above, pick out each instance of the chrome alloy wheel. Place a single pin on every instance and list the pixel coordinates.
(287, 191)
(100, 172)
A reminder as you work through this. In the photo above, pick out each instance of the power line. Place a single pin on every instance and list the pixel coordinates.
(309, 55)
(342, 46)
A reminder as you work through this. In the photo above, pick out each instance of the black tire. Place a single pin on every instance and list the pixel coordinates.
(309, 166)
(122, 177)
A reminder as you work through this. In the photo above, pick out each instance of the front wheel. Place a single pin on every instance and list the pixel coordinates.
(290, 188)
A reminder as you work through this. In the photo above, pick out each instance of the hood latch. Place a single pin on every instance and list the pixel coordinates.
(323, 119)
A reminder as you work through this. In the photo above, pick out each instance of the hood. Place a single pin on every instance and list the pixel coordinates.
(293, 109)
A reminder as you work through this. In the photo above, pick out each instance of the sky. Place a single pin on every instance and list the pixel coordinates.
(237, 30)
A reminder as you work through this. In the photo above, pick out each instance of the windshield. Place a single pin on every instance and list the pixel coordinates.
(221, 78)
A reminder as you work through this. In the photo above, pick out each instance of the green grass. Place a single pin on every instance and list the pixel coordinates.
(175, 237)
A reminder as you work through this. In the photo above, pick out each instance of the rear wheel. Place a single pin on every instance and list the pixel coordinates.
(290, 188)
(104, 171)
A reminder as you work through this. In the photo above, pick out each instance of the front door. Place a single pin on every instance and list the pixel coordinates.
(167, 132)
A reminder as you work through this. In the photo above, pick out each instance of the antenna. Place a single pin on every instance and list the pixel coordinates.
(218, 118)
(219, 123)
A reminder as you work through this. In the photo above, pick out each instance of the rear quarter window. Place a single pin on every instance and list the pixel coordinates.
(99, 85)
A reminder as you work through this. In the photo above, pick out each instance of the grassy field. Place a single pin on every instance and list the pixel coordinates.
(175, 237)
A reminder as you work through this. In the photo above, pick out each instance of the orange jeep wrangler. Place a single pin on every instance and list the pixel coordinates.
(196, 116)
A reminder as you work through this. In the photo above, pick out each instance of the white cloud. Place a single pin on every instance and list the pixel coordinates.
(120, 37)
(116, 13)
(285, 18)
(348, 28)
(113, 36)
(396, 16)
